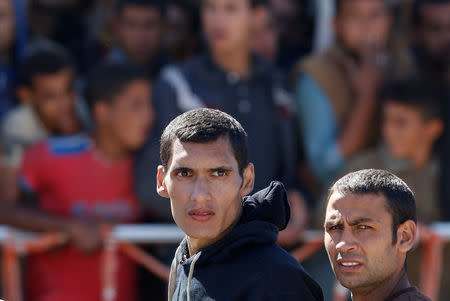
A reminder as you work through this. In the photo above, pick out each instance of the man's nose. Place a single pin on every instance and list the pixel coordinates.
(346, 242)
(201, 190)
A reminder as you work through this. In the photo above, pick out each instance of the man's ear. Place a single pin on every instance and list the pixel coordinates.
(406, 235)
(435, 128)
(160, 185)
(248, 182)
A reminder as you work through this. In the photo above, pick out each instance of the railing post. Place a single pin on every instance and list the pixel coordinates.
(431, 266)
(11, 276)
(109, 266)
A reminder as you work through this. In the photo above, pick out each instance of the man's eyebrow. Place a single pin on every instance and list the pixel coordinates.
(181, 168)
(221, 168)
(360, 220)
(332, 223)
(353, 222)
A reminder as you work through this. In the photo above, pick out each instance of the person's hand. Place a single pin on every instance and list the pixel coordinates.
(85, 237)
(366, 76)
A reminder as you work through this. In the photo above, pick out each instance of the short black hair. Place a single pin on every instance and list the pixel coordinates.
(157, 4)
(418, 6)
(338, 5)
(256, 3)
(107, 80)
(202, 126)
(44, 61)
(416, 93)
(400, 201)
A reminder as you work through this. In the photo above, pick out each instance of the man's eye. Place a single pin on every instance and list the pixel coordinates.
(364, 227)
(183, 173)
(336, 227)
(220, 173)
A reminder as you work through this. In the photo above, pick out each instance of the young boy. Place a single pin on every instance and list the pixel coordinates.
(412, 123)
(79, 182)
(46, 89)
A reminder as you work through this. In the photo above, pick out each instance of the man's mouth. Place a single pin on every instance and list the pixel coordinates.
(349, 265)
(201, 214)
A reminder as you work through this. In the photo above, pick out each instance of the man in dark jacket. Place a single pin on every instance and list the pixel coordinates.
(230, 250)
(229, 78)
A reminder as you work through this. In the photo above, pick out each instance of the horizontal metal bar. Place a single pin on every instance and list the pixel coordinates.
(170, 233)
(442, 229)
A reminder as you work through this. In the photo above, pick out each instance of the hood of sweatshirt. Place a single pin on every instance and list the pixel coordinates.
(233, 267)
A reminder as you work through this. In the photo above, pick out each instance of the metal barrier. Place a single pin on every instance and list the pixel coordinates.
(123, 238)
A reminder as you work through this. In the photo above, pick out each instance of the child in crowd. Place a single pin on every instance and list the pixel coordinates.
(412, 124)
(76, 183)
(411, 127)
(46, 90)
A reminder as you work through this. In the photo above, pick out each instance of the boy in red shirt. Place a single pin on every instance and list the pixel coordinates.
(79, 182)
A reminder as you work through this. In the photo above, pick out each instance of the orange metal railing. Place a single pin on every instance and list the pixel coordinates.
(431, 265)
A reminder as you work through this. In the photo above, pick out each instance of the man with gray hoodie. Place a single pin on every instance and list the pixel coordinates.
(230, 250)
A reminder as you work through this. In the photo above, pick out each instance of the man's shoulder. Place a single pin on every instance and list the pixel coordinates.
(69, 145)
(276, 260)
(313, 61)
(183, 76)
(371, 158)
(61, 147)
(22, 122)
(282, 277)
(191, 66)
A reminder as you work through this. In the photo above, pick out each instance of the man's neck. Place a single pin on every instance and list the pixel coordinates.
(238, 62)
(384, 289)
(109, 147)
(149, 62)
(194, 245)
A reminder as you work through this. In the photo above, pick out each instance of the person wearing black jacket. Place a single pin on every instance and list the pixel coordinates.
(228, 77)
(230, 251)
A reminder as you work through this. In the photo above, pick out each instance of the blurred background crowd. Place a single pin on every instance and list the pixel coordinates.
(322, 88)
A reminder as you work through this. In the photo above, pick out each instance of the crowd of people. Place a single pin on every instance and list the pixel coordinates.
(321, 87)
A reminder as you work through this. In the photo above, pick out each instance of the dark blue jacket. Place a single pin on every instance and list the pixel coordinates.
(246, 264)
(258, 102)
